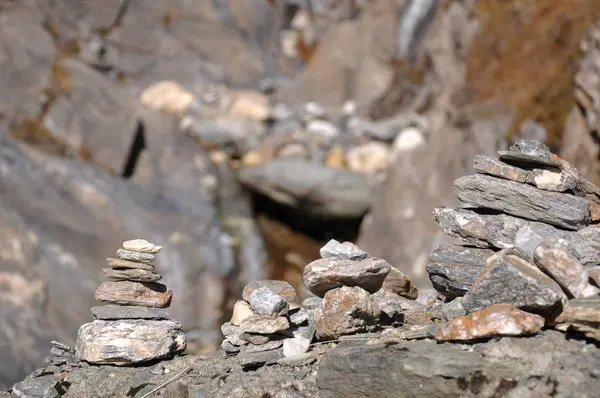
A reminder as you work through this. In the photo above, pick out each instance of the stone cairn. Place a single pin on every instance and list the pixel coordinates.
(134, 326)
(529, 258)
(354, 293)
(530, 251)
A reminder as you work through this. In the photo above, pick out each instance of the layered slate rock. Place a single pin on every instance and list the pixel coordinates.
(510, 279)
(520, 200)
(134, 327)
(453, 268)
(533, 214)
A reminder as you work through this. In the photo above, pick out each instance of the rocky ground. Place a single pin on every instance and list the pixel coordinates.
(244, 155)
(515, 311)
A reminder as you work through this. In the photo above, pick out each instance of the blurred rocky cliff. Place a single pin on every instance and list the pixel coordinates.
(241, 135)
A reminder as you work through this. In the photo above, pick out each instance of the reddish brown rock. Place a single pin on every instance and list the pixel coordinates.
(134, 293)
(495, 320)
(498, 168)
(565, 269)
(322, 275)
(346, 310)
(281, 288)
(398, 283)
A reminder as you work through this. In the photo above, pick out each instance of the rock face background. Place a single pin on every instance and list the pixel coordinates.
(250, 157)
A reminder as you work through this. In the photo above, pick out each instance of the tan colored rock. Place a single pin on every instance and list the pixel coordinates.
(142, 246)
(398, 283)
(167, 96)
(335, 157)
(495, 320)
(248, 104)
(346, 310)
(135, 293)
(130, 255)
(126, 342)
(281, 288)
(252, 158)
(565, 269)
(118, 263)
(368, 158)
(264, 324)
(241, 312)
(322, 275)
(128, 274)
(594, 274)
(582, 315)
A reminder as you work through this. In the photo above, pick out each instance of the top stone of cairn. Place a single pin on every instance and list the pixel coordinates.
(141, 246)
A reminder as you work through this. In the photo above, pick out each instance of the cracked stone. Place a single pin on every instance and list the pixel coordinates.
(134, 293)
(130, 255)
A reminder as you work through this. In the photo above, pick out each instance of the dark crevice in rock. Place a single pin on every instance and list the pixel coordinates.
(318, 228)
(137, 146)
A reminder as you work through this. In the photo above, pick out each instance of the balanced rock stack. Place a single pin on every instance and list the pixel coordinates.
(264, 320)
(530, 247)
(359, 292)
(134, 326)
(354, 293)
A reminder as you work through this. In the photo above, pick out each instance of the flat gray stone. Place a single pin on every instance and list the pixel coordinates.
(520, 200)
(254, 338)
(118, 263)
(129, 255)
(112, 311)
(510, 279)
(268, 346)
(265, 302)
(258, 359)
(453, 268)
(128, 274)
(525, 160)
(322, 275)
(342, 251)
(477, 228)
(311, 187)
(127, 342)
(531, 148)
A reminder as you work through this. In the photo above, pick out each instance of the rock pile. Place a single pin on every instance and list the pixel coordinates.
(529, 254)
(354, 293)
(267, 320)
(134, 326)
